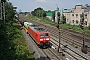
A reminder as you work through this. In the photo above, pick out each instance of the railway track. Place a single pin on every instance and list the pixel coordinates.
(73, 52)
(50, 54)
(67, 39)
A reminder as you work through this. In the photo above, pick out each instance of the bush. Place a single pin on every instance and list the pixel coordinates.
(89, 27)
(13, 45)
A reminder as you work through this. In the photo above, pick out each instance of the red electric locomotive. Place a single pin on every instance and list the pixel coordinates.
(41, 36)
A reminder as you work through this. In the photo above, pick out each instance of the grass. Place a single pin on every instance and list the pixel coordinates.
(41, 20)
(12, 44)
(73, 27)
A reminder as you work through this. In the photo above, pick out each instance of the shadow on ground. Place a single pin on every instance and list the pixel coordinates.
(43, 58)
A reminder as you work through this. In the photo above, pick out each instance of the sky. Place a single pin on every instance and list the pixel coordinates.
(30, 5)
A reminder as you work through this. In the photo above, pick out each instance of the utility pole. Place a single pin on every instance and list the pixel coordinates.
(59, 29)
(2, 4)
(59, 35)
(1, 10)
(58, 21)
(4, 12)
(59, 47)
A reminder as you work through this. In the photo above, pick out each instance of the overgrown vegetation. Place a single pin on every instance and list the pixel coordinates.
(73, 27)
(12, 42)
(89, 27)
(76, 28)
(44, 20)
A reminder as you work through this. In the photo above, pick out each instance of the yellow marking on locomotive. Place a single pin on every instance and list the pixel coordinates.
(25, 29)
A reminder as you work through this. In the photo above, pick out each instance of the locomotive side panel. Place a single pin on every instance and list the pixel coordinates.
(34, 35)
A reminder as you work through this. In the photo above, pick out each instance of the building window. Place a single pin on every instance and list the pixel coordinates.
(73, 15)
(80, 15)
(85, 16)
(72, 21)
(76, 15)
(76, 21)
(85, 22)
(67, 20)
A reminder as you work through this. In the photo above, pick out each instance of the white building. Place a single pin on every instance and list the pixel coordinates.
(74, 18)
(88, 22)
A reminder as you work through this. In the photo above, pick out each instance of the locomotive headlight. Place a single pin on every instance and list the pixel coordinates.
(47, 38)
(41, 39)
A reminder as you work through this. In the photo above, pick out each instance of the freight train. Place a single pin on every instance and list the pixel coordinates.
(40, 35)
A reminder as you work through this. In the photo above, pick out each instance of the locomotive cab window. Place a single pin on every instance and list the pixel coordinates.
(46, 34)
(43, 35)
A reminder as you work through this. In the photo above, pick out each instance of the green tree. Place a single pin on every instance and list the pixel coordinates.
(53, 16)
(10, 12)
(63, 19)
(44, 14)
(32, 12)
(49, 11)
(12, 43)
(39, 12)
(89, 27)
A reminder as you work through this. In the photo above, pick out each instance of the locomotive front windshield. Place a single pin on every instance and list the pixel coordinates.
(43, 35)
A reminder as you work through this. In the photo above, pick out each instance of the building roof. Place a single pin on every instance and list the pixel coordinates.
(67, 10)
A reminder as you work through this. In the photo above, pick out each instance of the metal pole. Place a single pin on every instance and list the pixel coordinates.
(59, 49)
(4, 11)
(84, 36)
(84, 47)
(82, 25)
(1, 9)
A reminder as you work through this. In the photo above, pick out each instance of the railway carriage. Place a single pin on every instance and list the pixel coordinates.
(26, 25)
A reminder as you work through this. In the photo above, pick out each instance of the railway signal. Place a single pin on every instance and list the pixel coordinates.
(82, 26)
(58, 26)
(82, 21)
(58, 14)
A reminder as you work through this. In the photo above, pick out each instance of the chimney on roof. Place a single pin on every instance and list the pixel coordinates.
(86, 5)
